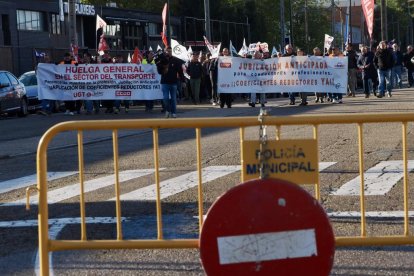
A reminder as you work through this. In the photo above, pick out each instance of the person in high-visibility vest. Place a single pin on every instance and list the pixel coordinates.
(149, 59)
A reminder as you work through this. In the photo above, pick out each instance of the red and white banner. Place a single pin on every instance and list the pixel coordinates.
(368, 8)
(285, 74)
(100, 23)
(164, 26)
(67, 82)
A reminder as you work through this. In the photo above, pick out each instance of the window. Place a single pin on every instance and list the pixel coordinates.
(30, 20)
(4, 81)
(13, 79)
(154, 29)
(57, 25)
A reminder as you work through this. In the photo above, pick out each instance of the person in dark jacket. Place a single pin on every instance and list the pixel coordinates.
(384, 62)
(409, 65)
(352, 69)
(369, 74)
(195, 71)
(397, 68)
(169, 72)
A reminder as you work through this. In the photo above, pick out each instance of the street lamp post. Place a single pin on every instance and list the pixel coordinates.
(207, 19)
(282, 23)
(384, 35)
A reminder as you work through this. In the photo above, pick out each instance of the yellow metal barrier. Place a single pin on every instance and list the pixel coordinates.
(47, 245)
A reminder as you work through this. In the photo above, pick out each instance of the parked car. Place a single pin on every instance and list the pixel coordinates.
(29, 80)
(13, 98)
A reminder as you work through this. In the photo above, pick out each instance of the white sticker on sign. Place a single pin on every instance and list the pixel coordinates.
(267, 246)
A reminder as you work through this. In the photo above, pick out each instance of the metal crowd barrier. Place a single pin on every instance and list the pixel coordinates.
(47, 245)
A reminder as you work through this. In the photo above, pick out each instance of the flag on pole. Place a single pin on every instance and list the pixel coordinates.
(39, 55)
(159, 47)
(150, 49)
(328, 41)
(164, 26)
(61, 14)
(214, 50)
(103, 46)
(129, 58)
(233, 51)
(368, 8)
(274, 52)
(179, 51)
(189, 52)
(100, 23)
(244, 49)
(137, 56)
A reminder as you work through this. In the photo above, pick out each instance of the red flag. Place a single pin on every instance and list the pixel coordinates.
(368, 8)
(137, 56)
(103, 46)
(164, 26)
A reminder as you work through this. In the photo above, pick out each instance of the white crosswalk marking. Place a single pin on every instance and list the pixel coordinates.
(66, 192)
(378, 180)
(183, 182)
(169, 187)
(180, 183)
(29, 180)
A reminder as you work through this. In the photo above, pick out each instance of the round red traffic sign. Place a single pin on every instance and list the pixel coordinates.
(267, 227)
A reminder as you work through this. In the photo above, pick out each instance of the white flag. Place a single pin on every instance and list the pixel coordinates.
(150, 49)
(100, 23)
(179, 50)
(274, 52)
(129, 58)
(233, 51)
(61, 14)
(159, 47)
(244, 49)
(214, 50)
(328, 41)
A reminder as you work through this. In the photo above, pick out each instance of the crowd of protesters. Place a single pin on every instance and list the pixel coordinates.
(380, 67)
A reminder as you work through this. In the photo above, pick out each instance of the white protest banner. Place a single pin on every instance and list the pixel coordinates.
(285, 74)
(68, 82)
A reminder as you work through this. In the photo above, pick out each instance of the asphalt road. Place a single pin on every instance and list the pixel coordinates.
(220, 149)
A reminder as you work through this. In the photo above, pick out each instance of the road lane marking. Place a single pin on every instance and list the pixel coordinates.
(26, 181)
(70, 191)
(378, 180)
(184, 182)
(179, 184)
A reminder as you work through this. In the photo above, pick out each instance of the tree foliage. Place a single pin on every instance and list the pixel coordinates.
(264, 17)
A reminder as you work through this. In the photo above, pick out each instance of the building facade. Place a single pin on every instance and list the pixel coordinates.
(31, 27)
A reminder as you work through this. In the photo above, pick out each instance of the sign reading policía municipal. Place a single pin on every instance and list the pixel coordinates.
(292, 160)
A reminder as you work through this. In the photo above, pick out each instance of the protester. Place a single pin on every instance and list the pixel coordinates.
(149, 59)
(318, 96)
(108, 104)
(252, 103)
(335, 97)
(303, 95)
(225, 98)
(366, 64)
(70, 106)
(120, 59)
(169, 71)
(397, 68)
(195, 71)
(352, 70)
(206, 78)
(384, 61)
(289, 53)
(409, 64)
